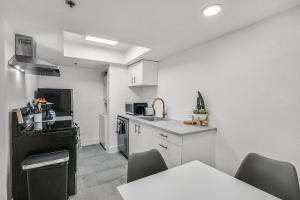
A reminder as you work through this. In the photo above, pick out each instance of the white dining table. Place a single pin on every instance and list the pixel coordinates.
(191, 181)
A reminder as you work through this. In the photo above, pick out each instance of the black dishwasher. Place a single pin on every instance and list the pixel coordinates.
(123, 135)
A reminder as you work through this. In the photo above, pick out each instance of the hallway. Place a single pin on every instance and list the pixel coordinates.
(99, 173)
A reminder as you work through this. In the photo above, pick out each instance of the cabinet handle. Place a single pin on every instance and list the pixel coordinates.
(163, 135)
(134, 79)
(131, 79)
(139, 130)
(135, 128)
(163, 146)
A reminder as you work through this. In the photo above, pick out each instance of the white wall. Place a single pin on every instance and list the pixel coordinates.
(76, 50)
(20, 87)
(16, 89)
(118, 94)
(87, 85)
(3, 145)
(250, 80)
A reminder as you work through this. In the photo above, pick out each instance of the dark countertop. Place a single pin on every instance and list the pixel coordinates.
(46, 127)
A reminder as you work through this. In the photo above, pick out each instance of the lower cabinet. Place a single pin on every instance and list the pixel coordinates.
(170, 152)
(175, 149)
(140, 137)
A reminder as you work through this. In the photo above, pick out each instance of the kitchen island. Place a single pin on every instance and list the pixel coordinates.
(177, 142)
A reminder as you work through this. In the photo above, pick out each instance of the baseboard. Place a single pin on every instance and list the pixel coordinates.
(102, 146)
(87, 142)
(109, 149)
(112, 149)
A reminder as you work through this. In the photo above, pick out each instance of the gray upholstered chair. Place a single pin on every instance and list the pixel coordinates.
(274, 177)
(145, 164)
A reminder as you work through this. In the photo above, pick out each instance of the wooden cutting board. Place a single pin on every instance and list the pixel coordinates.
(190, 122)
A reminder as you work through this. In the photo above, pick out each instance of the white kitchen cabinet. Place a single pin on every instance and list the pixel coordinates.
(179, 149)
(140, 137)
(176, 149)
(145, 137)
(143, 73)
(103, 134)
(133, 138)
(169, 151)
(172, 138)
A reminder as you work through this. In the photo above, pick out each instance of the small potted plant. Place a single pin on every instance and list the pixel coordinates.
(200, 113)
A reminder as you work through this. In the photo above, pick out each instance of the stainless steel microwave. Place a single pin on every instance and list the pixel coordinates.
(135, 108)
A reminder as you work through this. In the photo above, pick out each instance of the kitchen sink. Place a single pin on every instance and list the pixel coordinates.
(152, 118)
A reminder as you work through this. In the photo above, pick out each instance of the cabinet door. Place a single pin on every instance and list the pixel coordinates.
(169, 151)
(140, 137)
(131, 76)
(133, 138)
(135, 74)
(145, 138)
(138, 74)
(150, 72)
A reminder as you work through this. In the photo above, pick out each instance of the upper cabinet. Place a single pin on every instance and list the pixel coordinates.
(143, 73)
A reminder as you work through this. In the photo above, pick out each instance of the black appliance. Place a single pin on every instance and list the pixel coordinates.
(123, 135)
(29, 139)
(135, 108)
(52, 167)
(62, 100)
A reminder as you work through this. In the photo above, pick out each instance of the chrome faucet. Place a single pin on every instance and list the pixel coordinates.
(164, 114)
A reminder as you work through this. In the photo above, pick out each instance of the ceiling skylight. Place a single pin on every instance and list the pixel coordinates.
(101, 40)
(91, 48)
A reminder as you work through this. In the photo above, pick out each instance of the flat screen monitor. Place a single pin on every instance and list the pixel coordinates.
(62, 99)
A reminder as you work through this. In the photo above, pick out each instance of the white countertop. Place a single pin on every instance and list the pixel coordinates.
(191, 181)
(171, 125)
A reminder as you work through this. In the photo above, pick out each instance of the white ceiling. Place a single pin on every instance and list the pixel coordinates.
(80, 39)
(76, 46)
(165, 26)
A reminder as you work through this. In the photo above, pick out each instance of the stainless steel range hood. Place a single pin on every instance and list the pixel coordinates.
(25, 59)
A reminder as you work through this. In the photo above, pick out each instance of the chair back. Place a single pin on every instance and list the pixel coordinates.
(274, 177)
(145, 164)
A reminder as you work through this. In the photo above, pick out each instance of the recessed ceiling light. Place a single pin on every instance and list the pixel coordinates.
(101, 40)
(212, 10)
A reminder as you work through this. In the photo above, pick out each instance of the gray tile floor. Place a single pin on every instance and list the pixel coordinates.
(99, 173)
